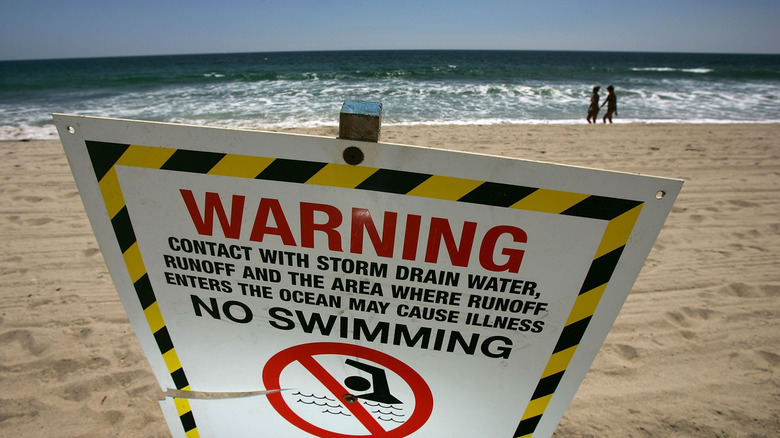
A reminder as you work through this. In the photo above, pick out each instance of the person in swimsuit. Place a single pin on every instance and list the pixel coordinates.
(611, 102)
(593, 109)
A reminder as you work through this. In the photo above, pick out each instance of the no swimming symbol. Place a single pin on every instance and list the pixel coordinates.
(347, 391)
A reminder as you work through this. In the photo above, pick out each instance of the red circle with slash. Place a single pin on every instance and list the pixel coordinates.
(304, 354)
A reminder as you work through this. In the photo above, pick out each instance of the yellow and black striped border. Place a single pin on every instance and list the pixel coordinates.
(620, 214)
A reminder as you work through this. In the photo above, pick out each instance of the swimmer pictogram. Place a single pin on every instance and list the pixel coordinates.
(354, 396)
(380, 392)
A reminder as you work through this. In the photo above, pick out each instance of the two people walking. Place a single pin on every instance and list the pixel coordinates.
(610, 102)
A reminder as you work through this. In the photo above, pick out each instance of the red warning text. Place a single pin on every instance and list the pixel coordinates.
(498, 249)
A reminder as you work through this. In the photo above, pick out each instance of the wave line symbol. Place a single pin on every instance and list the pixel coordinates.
(374, 405)
(327, 411)
(319, 404)
(314, 396)
(393, 414)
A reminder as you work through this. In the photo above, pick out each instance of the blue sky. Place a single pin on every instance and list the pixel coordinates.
(34, 29)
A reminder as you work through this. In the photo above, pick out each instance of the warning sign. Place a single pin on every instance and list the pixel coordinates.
(418, 293)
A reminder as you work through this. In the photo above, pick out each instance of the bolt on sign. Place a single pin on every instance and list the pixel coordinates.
(278, 290)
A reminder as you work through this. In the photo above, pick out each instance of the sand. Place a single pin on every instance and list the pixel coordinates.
(694, 352)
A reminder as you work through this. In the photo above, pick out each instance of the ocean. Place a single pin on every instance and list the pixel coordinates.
(306, 89)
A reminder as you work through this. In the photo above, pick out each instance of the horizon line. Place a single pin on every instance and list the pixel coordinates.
(387, 50)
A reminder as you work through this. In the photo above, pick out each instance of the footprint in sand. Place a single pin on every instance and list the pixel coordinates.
(745, 290)
(40, 221)
(89, 387)
(618, 359)
(687, 334)
(33, 199)
(678, 319)
(744, 204)
(689, 317)
(627, 352)
(61, 370)
(756, 367)
(90, 252)
(697, 312)
(21, 343)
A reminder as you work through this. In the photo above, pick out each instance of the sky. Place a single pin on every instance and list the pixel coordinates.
(44, 29)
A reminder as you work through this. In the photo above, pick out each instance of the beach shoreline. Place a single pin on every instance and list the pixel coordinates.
(276, 90)
(693, 352)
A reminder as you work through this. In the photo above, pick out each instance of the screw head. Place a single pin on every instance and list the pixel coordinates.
(353, 155)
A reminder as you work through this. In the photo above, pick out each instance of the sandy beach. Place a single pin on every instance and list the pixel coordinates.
(693, 353)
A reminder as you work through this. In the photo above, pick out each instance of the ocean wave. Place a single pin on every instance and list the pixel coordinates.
(284, 90)
(701, 70)
(291, 104)
(25, 132)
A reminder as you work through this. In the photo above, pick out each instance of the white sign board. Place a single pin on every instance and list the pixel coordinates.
(419, 293)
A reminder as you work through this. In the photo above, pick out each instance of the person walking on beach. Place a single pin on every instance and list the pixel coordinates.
(593, 109)
(611, 102)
